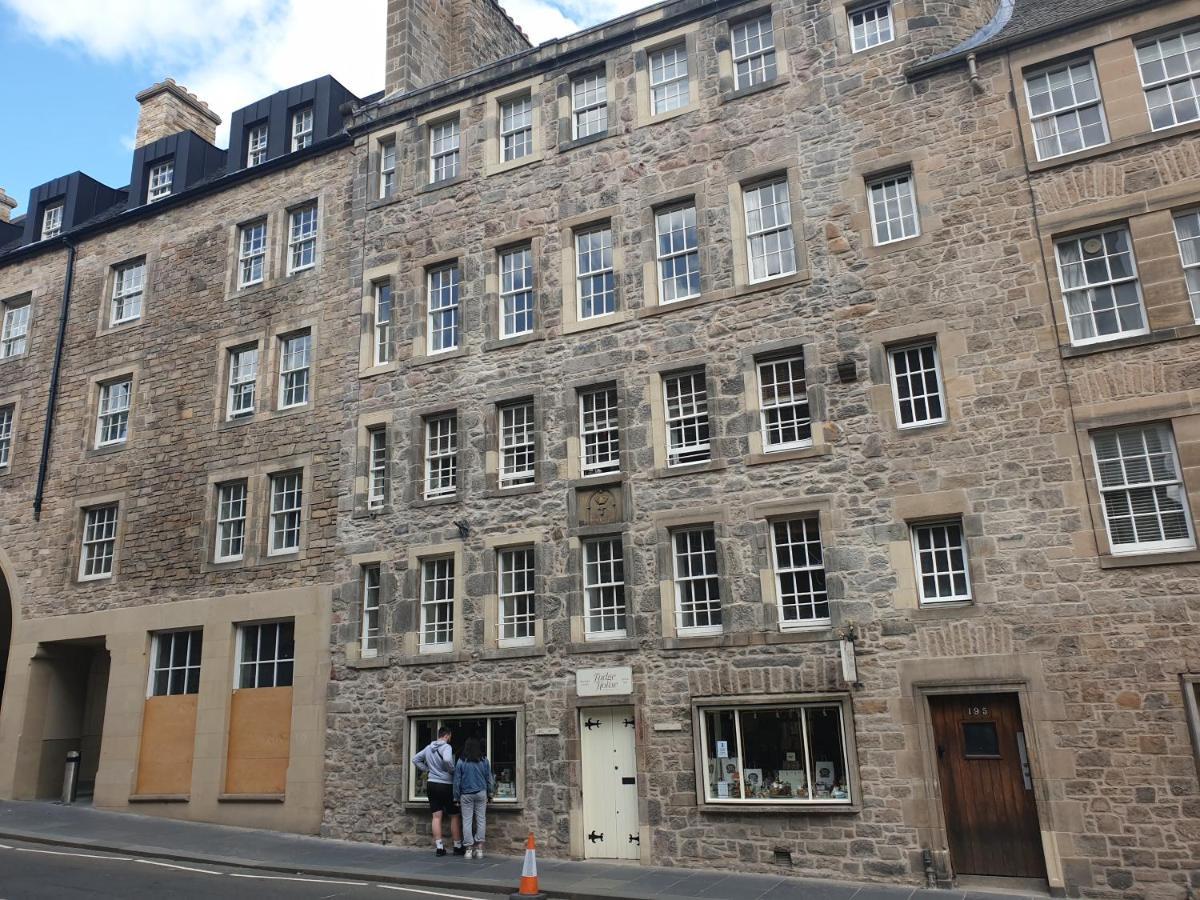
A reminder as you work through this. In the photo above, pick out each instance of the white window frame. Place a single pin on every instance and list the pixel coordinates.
(286, 518)
(669, 81)
(738, 751)
(516, 128)
(170, 641)
(517, 432)
(803, 542)
(302, 128)
(516, 291)
(52, 219)
(14, 334)
(233, 501)
(98, 545)
(445, 146)
(755, 49)
(1170, 452)
(384, 308)
(1189, 256)
(387, 168)
(252, 253)
(940, 556)
(161, 180)
(604, 597)
(595, 261)
(377, 467)
(769, 244)
(295, 369)
(1072, 108)
(1178, 87)
(897, 407)
(679, 418)
(113, 407)
(303, 226)
(416, 779)
(256, 145)
(443, 315)
(870, 29)
(441, 455)
(243, 381)
(779, 398)
(8, 414)
(706, 611)
(677, 249)
(129, 288)
(1089, 288)
(437, 624)
(371, 632)
(516, 596)
(599, 426)
(589, 105)
(887, 197)
(273, 655)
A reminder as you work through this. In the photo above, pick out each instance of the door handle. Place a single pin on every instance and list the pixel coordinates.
(941, 752)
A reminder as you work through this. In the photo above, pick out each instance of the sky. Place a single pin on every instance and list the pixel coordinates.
(72, 67)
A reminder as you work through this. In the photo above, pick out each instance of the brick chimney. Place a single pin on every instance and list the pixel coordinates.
(430, 40)
(7, 205)
(168, 108)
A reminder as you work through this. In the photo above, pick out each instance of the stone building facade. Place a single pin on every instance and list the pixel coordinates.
(706, 413)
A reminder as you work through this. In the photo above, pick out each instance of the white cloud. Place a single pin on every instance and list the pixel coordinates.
(230, 53)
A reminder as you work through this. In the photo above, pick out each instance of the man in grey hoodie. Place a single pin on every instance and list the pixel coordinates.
(437, 762)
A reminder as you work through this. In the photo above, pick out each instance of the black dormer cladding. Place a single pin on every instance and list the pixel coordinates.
(326, 97)
(82, 198)
(10, 232)
(195, 160)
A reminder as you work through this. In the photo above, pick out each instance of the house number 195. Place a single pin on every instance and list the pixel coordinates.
(977, 710)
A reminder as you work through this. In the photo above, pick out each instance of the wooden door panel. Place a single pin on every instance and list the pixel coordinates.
(991, 816)
(608, 761)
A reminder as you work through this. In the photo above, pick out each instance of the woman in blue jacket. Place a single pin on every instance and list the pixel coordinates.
(473, 787)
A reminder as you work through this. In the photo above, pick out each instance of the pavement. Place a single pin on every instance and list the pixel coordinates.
(149, 837)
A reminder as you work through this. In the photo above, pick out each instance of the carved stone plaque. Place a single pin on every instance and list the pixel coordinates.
(600, 506)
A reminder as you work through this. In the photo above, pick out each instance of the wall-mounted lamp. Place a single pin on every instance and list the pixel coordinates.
(849, 660)
(464, 528)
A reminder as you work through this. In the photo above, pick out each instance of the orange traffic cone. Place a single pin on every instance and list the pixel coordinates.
(529, 875)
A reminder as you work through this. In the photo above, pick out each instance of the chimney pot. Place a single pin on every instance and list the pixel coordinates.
(168, 108)
(7, 205)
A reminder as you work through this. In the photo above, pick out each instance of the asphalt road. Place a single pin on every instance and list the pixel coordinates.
(36, 872)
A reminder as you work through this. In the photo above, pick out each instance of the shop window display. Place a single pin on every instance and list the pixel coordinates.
(497, 734)
(775, 754)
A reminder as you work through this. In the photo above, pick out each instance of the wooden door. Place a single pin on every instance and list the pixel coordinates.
(610, 795)
(987, 792)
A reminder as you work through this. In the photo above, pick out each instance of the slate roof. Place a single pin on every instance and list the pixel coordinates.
(1021, 21)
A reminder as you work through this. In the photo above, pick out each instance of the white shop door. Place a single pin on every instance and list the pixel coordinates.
(610, 794)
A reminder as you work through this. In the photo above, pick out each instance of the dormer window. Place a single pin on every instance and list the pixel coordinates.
(162, 176)
(256, 145)
(302, 128)
(52, 221)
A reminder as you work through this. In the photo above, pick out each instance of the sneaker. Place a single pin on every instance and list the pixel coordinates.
(479, 853)
(461, 851)
(440, 851)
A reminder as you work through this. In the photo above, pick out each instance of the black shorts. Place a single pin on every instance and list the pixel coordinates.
(441, 799)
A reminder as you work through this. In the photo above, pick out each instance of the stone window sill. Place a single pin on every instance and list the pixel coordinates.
(426, 359)
(1131, 560)
(770, 284)
(499, 653)
(228, 424)
(658, 309)
(160, 798)
(493, 806)
(434, 659)
(251, 798)
(517, 491)
(458, 179)
(602, 646)
(575, 143)
(502, 343)
(1162, 335)
(613, 318)
(715, 465)
(499, 167)
(800, 453)
(368, 662)
(742, 807)
(1117, 146)
(604, 480)
(372, 371)
(955, 609)
(738, 93)
(422, 502)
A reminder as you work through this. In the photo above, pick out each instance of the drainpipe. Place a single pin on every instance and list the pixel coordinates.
(52, 400)
(976, 81)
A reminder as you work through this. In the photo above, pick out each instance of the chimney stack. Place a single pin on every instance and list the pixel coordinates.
(168, 108)
(430, 40)
(7, 205)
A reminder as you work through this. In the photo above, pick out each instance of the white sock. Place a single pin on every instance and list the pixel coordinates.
(458, 844)
(441, 846)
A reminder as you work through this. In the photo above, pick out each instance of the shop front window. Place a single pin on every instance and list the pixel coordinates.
(497, 734)
(776, 754)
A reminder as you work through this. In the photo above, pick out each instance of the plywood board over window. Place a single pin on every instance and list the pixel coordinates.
(260, 727)
(167, 746)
